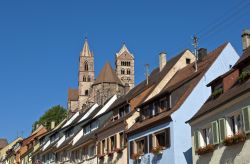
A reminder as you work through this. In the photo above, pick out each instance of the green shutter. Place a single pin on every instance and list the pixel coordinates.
(196, 139)
(215, 132)
(246, 119)
(222, 127)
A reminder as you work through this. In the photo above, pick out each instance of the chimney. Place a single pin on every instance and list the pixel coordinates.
(245, 39)
(202, 52)
(162, 60)
(52, 125)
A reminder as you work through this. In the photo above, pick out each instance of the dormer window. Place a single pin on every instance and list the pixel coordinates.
(188, 60)
(244, 75)
(217, 90)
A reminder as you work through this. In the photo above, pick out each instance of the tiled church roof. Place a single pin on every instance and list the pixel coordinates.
(73, 94)
(107, 75)
(3, 143)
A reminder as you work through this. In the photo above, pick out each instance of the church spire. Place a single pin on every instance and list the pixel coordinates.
(85, 49)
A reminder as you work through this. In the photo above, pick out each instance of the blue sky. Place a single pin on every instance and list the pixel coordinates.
(40, 42)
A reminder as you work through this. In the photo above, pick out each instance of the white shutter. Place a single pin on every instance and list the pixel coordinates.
(222, 129)
(246, 119)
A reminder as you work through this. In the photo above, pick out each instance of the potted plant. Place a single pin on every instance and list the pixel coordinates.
(244, 76)
(110, 154)
(234, 139)
(118, 150)
(217, 92)
(136, 156)
(157, 150)
(203, 150)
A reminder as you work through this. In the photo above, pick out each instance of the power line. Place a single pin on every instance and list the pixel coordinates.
(234, 11)
(223, 25)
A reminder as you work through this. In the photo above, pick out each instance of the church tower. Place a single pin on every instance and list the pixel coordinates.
(125, 67)
(86, 74)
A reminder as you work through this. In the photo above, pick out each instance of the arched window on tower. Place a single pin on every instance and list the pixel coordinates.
(122, 71)
(128, 71)
(89, 79)
(84, 78)
(86, 66)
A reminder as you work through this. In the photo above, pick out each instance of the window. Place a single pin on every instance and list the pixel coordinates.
(160, 139)
(124, 111)
(163, 105)
(188, 60)
(86, 66)
(122, 71)
(113, 143)
(86, 130)
(122, 140)
(91, 151)
(148, 111)
(69, 133)
(94, 125)
(89, 79)
(235, 124)
(103, 151)
(128, 71)
(84, 78)
(86, 92)
(207, 135)
(141, 145)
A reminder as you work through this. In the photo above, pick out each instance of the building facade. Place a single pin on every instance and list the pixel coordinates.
(161, 133)
(220, 129)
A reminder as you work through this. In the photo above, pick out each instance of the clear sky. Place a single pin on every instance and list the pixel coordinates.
(40, 42)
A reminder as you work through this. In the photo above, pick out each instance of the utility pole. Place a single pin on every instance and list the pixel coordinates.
(195, 44)
(147, 72)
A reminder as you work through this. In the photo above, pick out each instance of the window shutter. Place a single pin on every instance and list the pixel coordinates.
(145, 144)
(215, 132)
(99, 148)
(131, 149)
(115, 141)
(168, 138)
(196, 139)
(222, 127)
(246, 119)
(108, 145)
(150, 142)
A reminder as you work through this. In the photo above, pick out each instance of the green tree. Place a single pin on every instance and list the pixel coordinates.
(55, 113)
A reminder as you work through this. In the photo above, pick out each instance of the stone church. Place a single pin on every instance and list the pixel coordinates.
(108, 83)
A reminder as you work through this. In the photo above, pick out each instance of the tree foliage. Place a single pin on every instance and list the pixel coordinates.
(55, 113)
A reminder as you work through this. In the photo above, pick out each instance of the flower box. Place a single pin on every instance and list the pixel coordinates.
(118, 150)
(136, 156)
(234, 139)
(101, 156)
(110, 154)
(203, 150)
(157, 150)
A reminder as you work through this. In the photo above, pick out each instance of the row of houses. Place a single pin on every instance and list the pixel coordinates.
(178, 114)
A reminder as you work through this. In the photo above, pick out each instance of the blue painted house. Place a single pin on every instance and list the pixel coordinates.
(160, 134)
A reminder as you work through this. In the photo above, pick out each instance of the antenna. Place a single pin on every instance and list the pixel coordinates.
(195, 44)
(147, 72)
